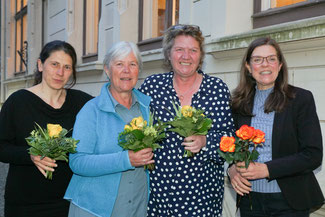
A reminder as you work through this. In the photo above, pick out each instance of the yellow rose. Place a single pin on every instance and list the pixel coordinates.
(138, 123)
(54, 130)
(128, 128)
(187, 111)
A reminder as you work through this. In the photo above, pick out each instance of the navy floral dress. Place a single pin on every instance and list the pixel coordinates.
(181, 186)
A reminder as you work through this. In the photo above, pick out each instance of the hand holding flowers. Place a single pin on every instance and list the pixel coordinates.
(255, 170)
(43, 164)
(139, 137)
(236, 150)
(142, 157)
(190, 122)
(240, 184)
(194, 143)
(48, 145)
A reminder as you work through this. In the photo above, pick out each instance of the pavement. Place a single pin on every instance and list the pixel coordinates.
(3, 176)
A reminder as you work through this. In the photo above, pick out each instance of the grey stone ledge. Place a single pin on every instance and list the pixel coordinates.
(91, 66)
(18, 78)
(292, 31)
(286, 32)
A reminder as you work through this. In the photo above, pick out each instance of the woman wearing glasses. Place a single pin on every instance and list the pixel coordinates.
(180, 185)
(281, 182)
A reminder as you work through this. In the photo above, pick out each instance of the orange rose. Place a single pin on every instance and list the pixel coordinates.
(259, 136)
(245, 132)
(227, 144)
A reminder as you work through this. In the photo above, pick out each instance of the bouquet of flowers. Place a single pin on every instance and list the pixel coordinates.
(189, 121)
(139, 135)
(51, 142)
(235, 150)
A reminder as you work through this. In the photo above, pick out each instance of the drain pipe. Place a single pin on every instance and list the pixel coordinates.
(3, 49)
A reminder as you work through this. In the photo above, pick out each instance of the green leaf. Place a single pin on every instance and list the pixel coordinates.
(62, 157)
(138, 134)
(247, 161)
(254, 155)
(181, 132)
(148, 140)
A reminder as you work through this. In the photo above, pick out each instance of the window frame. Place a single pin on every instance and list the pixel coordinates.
(19, 16)
(153, 43)
(86, 58)
(298, 11)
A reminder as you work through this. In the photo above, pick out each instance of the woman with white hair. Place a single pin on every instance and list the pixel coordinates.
(107, 180)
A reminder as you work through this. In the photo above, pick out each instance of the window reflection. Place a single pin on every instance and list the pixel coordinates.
(91, 26)
(158, 16)
(21, 35)
(281, 3)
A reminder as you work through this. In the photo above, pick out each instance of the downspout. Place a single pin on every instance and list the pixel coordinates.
(3, 49)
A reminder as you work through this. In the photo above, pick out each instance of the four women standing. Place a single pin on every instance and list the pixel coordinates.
(109, 181)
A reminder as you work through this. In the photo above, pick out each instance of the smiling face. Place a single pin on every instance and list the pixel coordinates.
(56, 70)
(185, 55)
(123, 73)
(265, 73)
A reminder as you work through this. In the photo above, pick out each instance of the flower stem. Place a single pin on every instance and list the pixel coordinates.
(49, 174)
(188, 153)
(149, 166)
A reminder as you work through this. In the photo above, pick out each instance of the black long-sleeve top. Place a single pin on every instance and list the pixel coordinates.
(27, 192)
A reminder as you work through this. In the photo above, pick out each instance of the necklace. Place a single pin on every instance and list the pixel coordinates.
(182, 95)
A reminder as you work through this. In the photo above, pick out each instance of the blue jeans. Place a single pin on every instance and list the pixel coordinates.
(268, 205)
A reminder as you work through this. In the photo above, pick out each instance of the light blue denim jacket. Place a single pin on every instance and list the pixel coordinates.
(99, 161)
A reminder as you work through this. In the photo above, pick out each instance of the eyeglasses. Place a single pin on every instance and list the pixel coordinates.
(259, 60)
(185, 27)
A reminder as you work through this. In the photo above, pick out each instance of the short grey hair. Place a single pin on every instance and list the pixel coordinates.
(120, 50)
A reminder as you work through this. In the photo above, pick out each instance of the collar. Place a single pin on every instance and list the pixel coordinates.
(105, 102)
(116, 103)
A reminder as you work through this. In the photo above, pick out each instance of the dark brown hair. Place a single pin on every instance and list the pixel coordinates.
(177, 30)
(243, 95)
(46, 52)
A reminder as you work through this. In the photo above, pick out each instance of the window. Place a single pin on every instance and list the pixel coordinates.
(90, 34)
(281, 3)
(272, 12)
(21, 36)
(267, 4)
(154, 18)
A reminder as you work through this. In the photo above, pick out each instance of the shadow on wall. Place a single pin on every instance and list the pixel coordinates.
(3, 176)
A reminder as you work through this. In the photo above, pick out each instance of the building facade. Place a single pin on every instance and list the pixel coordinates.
(91, 26)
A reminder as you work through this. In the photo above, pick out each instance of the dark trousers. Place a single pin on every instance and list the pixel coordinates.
(268, 205)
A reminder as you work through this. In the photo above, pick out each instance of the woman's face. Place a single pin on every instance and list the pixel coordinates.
(56, 70)
(123, 73)
(185, 55)
(266, 72)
